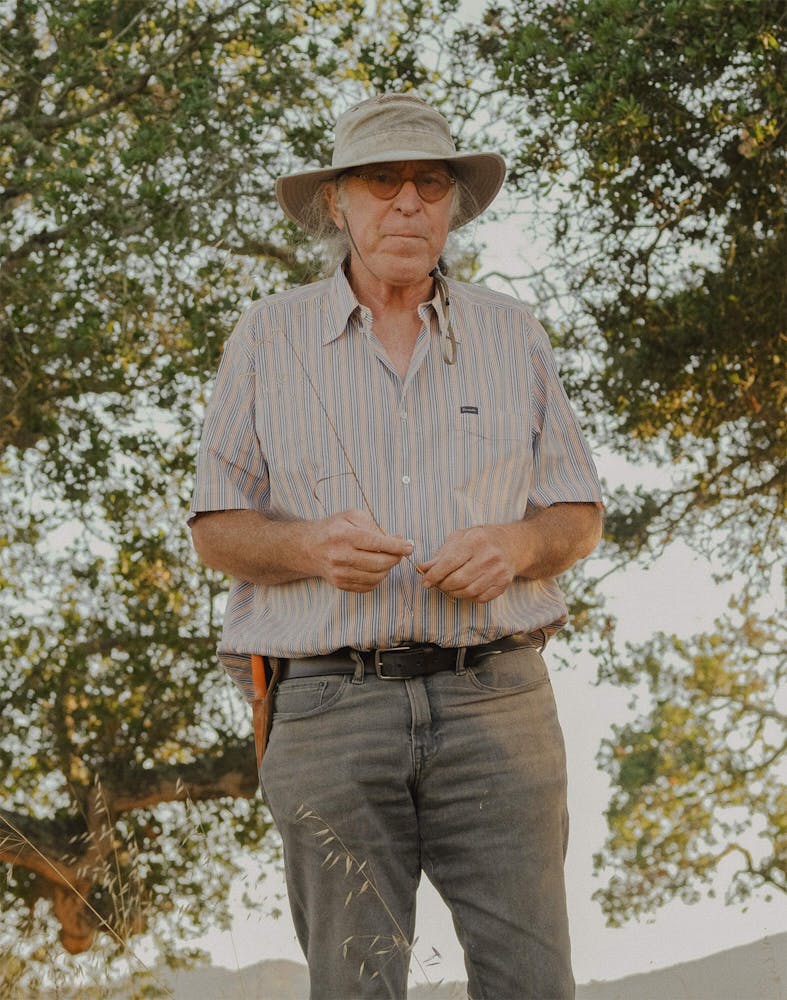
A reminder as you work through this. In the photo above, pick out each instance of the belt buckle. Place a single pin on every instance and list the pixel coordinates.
(378, 663)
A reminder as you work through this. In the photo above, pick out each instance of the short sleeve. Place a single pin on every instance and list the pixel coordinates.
(563, 468)
(232, 473)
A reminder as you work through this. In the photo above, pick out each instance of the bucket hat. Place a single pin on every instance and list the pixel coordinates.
(386, 129)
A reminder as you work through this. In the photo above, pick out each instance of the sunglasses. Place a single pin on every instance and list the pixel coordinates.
(386, 182)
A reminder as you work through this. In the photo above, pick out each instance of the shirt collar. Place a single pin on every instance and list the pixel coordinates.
(343, 303)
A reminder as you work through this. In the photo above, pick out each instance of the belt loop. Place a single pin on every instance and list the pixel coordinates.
(357, 659)
(461, 653)
(544, 640)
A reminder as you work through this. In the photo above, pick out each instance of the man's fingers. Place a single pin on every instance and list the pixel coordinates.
(359, 582)
(367, 562)
(356, 555)
(376, 541)
(469, 567)
(366, 536)
(359, 518)
(451, 583)
(436, 571)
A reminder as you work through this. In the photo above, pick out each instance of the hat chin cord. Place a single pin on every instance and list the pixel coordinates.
(442, 306)
(447, 337)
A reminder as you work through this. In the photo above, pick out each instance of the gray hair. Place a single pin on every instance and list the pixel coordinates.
(333, 244)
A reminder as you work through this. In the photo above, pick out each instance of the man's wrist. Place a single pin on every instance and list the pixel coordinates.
(296, 542)
(516, 539)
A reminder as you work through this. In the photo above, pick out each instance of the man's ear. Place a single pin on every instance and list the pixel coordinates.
(331, 190)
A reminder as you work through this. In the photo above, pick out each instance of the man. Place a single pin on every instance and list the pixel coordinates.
(392, 475)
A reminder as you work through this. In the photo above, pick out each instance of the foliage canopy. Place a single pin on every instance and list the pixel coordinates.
(656, 134)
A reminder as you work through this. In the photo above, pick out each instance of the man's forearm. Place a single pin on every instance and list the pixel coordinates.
(350, 551)
(251, 547)
(550, 540)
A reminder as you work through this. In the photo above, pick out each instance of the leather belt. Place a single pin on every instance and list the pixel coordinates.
(403, 662)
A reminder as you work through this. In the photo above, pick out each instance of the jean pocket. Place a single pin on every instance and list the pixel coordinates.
(299, 697)
(509, 671)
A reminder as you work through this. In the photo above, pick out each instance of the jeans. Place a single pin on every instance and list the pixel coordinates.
(460, 774)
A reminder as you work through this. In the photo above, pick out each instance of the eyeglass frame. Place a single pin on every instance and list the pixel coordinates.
(364, 176)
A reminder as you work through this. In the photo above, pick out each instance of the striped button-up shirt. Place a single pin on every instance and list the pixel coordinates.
(309, 418)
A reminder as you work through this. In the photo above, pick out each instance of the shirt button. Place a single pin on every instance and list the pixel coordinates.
(403, 414)
(406, 480)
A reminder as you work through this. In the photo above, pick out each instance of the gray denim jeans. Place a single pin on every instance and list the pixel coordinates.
(459, 774)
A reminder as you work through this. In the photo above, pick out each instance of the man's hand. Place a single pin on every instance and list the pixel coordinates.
(347, 549)
(473, 564)
(478, 564)
(351, 553)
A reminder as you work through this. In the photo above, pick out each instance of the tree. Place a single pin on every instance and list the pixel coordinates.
(654, 134)
(687, 803)
(140, 142)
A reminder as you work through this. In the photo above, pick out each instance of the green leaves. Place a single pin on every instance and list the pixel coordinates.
(659, 124)
(694, 775)
(122, 141)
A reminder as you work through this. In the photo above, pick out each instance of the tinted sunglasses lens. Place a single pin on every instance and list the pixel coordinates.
(387, 184)
(384, 184)
(432, 187)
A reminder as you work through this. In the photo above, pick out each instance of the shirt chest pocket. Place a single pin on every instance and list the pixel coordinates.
(490, 458)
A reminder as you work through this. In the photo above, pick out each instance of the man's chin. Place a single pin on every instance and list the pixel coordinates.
(406, 268)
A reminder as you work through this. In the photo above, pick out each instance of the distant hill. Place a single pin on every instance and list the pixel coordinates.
(755, 971)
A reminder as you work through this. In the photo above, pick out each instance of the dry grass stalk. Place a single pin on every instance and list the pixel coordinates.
(381, 948)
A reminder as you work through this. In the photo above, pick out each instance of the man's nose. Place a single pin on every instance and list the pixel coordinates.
(408, 199)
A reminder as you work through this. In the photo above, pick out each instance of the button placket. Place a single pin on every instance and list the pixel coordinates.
(403, 472)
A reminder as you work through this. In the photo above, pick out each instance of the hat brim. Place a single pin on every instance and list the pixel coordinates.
(481, 173)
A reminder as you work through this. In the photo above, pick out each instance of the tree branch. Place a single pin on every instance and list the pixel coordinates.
(38, 845)
(264, 248)
(230, 773)
(69, 854)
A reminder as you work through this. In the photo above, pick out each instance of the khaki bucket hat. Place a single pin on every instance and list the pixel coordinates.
(387, 129)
